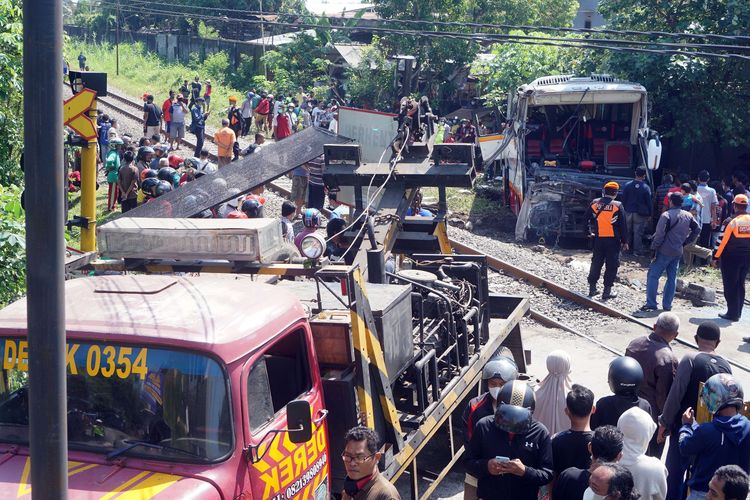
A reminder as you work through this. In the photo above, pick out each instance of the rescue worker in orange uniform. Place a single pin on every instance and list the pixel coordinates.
(733, 252)
(607, 223)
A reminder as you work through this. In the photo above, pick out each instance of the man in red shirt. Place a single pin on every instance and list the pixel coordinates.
(167, 114)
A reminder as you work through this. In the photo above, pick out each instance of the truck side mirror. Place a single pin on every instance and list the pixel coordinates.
(299, 421)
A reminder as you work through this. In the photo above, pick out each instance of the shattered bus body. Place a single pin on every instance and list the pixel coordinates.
(566, 137)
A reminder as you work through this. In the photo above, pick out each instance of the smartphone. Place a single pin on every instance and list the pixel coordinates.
(502, 459)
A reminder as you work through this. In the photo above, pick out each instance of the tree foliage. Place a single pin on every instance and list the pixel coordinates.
(695, 100)
(11, 92)
(301, 63)
(440, 59)
(12, 245)
(370, 83)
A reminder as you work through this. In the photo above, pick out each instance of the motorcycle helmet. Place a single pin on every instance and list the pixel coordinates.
(148, 186)
(175, 161)
(722, 390)
(625, 376)
(192, 162)
(515, 407)
(500, 367)
(149, 172)
(161, 188)
(311, 217)
(251, 208)
(169, 175)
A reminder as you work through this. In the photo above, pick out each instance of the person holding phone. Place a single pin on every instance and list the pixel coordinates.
(509, 453)
(497, 372)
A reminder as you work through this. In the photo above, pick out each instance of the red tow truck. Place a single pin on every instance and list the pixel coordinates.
(221, 386)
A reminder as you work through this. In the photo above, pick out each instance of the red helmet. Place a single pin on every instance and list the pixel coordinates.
(260, 199)
(236, 214)
(175, 161)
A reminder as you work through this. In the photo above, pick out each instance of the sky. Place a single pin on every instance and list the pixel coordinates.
(332, 7)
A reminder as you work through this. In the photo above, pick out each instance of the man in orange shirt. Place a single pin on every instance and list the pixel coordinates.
(607, 220)
(224, 139)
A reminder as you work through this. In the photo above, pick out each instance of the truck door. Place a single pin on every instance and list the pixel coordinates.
(284, 371)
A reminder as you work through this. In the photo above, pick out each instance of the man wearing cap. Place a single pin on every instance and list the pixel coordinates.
(733, 252)
(675, 229)
(198, 124)
(694, 368)
(607, 223)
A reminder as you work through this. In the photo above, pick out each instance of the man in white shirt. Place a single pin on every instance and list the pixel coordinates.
(709, 219)
(317, 113)
(333, 124)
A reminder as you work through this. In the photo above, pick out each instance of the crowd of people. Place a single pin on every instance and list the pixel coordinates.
(695, 220)
(557, 441)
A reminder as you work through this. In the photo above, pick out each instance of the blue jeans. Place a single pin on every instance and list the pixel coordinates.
(655, 270)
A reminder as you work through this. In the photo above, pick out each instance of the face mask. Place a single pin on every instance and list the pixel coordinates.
(494, 391)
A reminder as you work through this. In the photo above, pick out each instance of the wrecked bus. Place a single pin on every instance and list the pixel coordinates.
(565, 137)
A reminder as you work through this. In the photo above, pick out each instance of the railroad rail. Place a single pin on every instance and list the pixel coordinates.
(573, 296)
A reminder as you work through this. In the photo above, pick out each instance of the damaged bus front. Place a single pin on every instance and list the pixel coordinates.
(567, 137)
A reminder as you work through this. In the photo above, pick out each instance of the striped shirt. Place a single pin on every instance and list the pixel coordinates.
(315, 170)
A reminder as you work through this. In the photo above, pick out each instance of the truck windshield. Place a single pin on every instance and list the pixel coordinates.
(175, 400)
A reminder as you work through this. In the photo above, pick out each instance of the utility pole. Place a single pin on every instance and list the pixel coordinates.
(263, 39)
(117, 39)
(45, 246)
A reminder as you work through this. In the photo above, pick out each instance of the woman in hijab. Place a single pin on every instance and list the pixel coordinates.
(551, 393)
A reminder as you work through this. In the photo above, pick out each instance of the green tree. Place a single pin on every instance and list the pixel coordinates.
(12, 245)
(11, 92)
(301, 63)
(441, 58)
(512, 65)
(370, 84)
(695, 100)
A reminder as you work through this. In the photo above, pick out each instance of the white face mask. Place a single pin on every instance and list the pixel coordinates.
(494, 391)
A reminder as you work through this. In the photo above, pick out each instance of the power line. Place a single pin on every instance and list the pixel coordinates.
(472, 37)
(588, 31)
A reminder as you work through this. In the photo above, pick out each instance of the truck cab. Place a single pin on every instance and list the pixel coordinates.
(177, 387)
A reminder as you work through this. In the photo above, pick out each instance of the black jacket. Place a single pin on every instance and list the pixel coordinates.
(478, 408)
(609, 408)
(533, 448)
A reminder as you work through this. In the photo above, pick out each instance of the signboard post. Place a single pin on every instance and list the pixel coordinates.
(80, 112)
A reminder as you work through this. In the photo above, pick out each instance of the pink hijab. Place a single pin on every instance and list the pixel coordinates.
(551, 393)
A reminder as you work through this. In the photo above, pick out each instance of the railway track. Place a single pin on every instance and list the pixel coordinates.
(121, 104)
(583, 301)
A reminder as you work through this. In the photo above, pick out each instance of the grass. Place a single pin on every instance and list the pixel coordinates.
(142, 71)
(463, 202)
